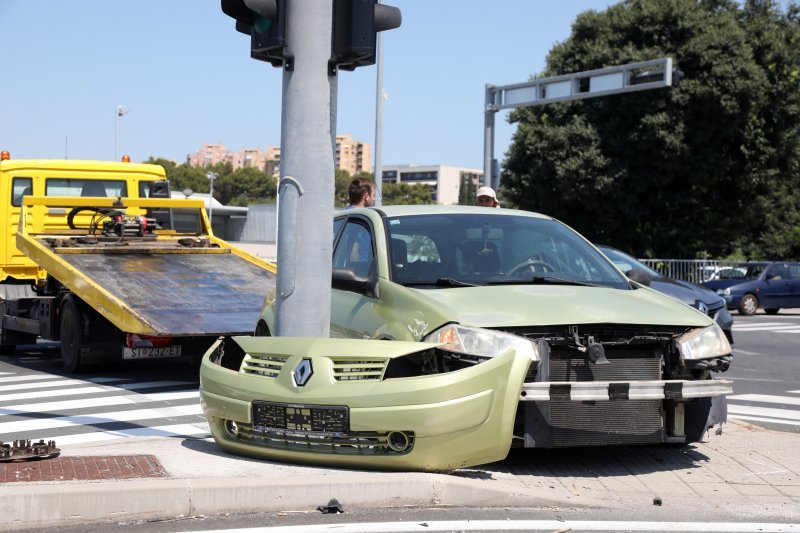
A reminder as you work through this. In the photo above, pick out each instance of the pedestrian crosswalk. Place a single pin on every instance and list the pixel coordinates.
(766, 408)
(94, 409)
(776, 327)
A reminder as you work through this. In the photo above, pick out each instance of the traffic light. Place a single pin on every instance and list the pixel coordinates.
(265, 22)
(355, 27)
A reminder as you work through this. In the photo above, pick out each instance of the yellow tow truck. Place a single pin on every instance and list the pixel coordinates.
(95, 254)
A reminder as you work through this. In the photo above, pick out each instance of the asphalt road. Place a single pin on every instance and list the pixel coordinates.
(38, 400)
(766, 370)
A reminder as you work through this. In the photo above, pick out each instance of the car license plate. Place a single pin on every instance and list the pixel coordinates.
(305, 418)
(151, 353)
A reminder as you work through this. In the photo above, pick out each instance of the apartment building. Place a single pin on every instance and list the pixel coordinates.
(352, 156)
(446, 179)
(265, 160)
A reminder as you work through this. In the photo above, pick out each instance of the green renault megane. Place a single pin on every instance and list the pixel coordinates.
(459, 332)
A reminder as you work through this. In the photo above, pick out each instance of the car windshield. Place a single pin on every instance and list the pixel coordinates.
(458, 250)
(625, 262)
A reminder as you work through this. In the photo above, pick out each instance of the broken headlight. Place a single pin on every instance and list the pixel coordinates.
(481, 342)
(704, 343)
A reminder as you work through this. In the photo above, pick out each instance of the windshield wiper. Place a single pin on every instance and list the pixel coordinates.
(441, 282)
(543, 280)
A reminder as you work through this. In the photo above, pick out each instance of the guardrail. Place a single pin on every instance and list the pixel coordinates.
(692, 270)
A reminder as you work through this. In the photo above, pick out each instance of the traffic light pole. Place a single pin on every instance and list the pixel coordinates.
(308, 120)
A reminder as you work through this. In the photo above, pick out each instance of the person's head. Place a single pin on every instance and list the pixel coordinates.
(486, 197)
(361, 192)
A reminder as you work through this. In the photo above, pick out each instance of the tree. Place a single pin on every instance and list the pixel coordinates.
(466, 191)
(407, 194)
(709, 164)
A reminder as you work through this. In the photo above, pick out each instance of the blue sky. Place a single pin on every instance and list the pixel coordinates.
(187, 79)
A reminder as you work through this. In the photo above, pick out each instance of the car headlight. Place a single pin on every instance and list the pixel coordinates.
(481, 342)
(704, 343)
(724, 292)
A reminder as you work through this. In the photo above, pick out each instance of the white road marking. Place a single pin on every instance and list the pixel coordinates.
(88, 390)
(180, 430)
(99, 418)
(64, 405)
(763, 419)
(786, 327)
(786, 414)
(57, 383)
(524, 525)
(765, 398)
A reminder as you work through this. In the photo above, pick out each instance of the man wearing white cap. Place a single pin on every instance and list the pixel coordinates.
(486, 197)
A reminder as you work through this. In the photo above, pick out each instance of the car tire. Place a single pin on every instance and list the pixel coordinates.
(71, 336)
(749, 305)
(772, 310)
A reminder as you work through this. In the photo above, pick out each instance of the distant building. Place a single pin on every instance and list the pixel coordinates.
(352, 156)
(446, 179)
(209, 154)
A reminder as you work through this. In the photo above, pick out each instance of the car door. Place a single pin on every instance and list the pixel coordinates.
(794, 280)
(776, 288)
(352, 314)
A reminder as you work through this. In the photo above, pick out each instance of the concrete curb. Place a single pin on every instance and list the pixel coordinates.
(34, 505)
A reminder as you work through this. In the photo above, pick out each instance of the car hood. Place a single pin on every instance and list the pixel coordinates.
(524, 305)
(685, 291)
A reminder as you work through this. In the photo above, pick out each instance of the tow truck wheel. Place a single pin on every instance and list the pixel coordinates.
(71, 336)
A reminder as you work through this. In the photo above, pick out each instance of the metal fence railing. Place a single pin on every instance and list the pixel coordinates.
(692, 270)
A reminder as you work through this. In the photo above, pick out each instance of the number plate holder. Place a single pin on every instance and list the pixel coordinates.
(292, 417)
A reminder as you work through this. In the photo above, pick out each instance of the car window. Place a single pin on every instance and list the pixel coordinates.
(794, 271)
(481, 249)
(20, 187)
(354, 249)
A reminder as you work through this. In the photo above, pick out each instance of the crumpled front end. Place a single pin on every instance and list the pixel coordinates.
(597, 385)
(360, 403)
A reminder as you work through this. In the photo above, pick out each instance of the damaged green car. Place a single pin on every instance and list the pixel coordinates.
(487, 328)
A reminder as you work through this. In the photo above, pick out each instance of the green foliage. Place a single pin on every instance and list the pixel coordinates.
(710, 164)
(466, 191)
(407, 194)
(238, 188)
(341, 184)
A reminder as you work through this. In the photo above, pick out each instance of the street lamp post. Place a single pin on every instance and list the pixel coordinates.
(211, 177)
(120, 111)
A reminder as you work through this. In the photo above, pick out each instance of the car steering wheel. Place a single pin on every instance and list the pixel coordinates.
(535, 266)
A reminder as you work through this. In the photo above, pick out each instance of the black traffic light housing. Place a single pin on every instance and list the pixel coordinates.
(265, 22)
(355, 27)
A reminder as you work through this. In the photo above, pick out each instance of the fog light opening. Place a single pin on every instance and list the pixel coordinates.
(232, 428)
(398, 441)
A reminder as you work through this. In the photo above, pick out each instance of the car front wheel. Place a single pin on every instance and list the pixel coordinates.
(748, 305)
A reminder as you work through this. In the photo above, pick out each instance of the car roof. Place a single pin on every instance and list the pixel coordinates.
(408, 210)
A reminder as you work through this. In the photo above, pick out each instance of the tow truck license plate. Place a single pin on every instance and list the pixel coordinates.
(305, 418)
(151, 353)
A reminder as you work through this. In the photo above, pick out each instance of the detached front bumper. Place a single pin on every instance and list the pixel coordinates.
(430, 423)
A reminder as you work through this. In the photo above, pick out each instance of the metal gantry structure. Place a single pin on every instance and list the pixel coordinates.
(632, 77)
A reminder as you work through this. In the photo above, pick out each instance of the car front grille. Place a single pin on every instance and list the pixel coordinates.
(263, 364)
(358, 369)
(353, 443)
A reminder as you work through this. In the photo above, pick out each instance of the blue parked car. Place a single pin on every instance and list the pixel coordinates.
(692, 295)
(763, 285)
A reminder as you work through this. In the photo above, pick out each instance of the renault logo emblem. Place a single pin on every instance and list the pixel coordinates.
(302, 372)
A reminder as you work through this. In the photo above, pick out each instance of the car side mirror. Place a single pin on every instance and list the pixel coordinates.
(346, 279)
(639, 276)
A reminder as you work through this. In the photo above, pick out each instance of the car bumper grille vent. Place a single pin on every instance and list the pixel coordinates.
(354, 443)
(358, 369)
(263, 364)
